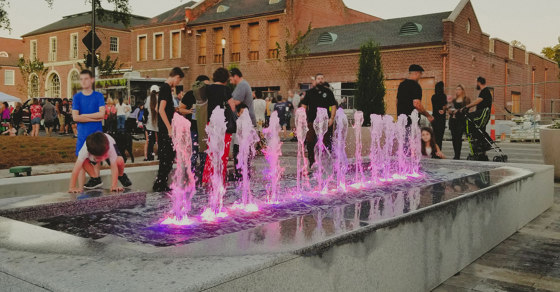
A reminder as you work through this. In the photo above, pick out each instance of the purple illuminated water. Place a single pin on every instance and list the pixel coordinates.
(183, 186)
(302, 162)
(358, 122)
(388, 139)
(322, 156)
(272, 153)
(415, 144)
(376, 151)
(247, 137)
(216, 130)
(339, 143)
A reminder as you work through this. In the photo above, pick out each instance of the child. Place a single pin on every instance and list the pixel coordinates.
(429, 147)
(11, 131)
(98, 147)
(22, 130)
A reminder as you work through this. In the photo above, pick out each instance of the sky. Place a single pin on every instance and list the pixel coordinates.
(533, 22)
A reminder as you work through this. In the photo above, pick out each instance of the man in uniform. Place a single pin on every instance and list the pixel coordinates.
(409, 94)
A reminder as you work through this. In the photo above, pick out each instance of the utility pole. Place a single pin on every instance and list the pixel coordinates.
(93, 39)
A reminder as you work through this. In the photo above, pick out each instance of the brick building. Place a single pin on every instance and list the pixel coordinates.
(59, 46)
(451, 47)
(10, 52)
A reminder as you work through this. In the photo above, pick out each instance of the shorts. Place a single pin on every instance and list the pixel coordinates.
(283, 122)
(49, 124)
(36, 121)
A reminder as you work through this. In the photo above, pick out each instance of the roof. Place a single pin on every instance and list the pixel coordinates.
(82, 19)
(14, 47)
(239, 9)
(174, 15)
(385, 32)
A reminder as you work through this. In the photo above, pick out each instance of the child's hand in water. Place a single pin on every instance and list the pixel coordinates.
(75, 190)
(116, 189)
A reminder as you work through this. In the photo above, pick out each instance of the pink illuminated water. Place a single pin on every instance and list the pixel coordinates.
(358, 161)
(183, 186)
(376, 150)
(216, 130)
(272, 154)
(402, 148)
(339, 143)
(322, 156)
(415, 144)
(247, 137)
(302, 162)
(388, 141)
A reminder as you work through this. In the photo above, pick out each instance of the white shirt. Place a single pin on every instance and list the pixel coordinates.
(149, 125)
(112, 153)
(121, 109)
(259, 106)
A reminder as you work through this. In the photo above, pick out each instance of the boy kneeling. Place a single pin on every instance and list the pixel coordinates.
(99, 147)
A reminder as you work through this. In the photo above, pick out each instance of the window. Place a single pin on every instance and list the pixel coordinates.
(158, 46)
(142, 48)
(74, 46)
(9, 77)
(52, 49)
(468, 26)
(114, 45)
(235, 43)
(273, 38)
(54, 86)
(175, 45)
(254, 41)
(202, 47)
(33, 90)
(218, 36)
(33, 52)
(492, 46)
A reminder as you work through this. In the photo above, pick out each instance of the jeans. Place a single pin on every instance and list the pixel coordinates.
(166, 156)
(121, 122)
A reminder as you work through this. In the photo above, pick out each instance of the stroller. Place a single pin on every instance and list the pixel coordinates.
(480, 142)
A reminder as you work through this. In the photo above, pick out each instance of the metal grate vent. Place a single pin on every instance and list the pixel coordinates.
(327, 38)
(410, 28)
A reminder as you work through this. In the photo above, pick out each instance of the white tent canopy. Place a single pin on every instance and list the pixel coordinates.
(8, 98)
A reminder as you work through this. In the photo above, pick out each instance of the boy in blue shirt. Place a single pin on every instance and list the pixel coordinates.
(88, 110)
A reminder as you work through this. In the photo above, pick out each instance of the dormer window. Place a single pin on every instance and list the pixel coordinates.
(410, 28)
(222, 8)
(327, 38)
(469, 26)
(270, 2)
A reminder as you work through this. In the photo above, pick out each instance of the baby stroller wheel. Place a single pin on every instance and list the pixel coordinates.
(497, 159)
(470, 157)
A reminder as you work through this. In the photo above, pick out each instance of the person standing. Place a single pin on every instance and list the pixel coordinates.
(121, 108)
(88, 111)
(5, 115)
(409, 94)
(151, 125)
(260, 110)
(166, 109)
(457, 119)
(187, 109)
(439, 103)
(201, 116)
(480, 117)
(17, 116)
(283, 109)
(320, 96)
(49, 114)
(36, 112)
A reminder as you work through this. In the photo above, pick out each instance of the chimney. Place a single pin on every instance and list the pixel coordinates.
(188, 15)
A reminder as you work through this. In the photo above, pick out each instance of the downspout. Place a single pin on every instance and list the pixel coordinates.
(533, 87)
(505, 83)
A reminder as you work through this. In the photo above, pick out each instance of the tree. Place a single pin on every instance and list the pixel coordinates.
(27, 68)
(553, 53)
(290, 57)
(370, 87)
(518, 44)
(107, 66)
(120, 13)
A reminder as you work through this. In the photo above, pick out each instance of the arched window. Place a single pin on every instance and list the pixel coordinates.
(54, 86)
(74, 83)
(33, 86)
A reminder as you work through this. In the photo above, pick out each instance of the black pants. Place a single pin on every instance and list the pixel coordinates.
(311, 140)
(166, 156)
(439, 128)
(457, 127)
(151, 137)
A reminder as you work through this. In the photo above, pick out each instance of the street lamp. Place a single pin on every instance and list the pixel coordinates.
(223, 52)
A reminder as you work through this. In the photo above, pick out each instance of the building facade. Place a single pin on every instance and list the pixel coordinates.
(10, 52)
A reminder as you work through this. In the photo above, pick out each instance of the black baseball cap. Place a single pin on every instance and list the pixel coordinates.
(415, 68)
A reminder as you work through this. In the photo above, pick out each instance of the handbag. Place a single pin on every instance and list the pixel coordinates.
(231, 117)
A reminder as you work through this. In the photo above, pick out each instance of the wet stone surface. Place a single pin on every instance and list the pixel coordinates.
(292, 221)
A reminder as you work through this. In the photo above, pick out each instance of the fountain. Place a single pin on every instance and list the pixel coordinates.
(272, 153)
(358, 161)
(247, 136)
(302, 178)
(322, 155)
(183, 186)
(339, 141)
(375, 152)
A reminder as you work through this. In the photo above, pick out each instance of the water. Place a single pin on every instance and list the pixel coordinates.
(272, 153)
(376, 154)
(339, 141)
(387, 153)
(184, 185)
(216, 130)
(322, 155)
(247, 137)
(415, 144)
(358, 161)
(302, 162)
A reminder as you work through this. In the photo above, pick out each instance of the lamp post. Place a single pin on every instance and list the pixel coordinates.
(223, 52)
